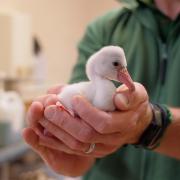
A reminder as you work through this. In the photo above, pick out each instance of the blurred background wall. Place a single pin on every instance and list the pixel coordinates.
(59, 24)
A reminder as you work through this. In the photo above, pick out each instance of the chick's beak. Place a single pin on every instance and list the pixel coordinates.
(124, 77)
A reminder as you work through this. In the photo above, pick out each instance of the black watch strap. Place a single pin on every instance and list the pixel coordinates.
(151, 137)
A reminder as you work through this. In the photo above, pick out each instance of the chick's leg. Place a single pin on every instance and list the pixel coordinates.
(69, 111)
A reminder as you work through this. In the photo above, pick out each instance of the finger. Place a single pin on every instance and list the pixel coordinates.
(125, 99)
(66, 138)
(100, 151)
(78, 128)
(74, 126)
(32, 139)
(55, 144)
(42, 98)
(55, 89)
(91, 115)
(105, 123)
(51, 100)
(47, 100)
(39, 145)
(35, 113)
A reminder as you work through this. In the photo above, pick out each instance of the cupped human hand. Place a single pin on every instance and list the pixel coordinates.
(63, 160)
(108, 130)
(63, 163)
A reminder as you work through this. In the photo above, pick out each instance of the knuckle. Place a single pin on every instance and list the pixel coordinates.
(49, 126)
(53, 130)
(62, 121)
(50, 113)
(103, 126)
(86, 135)
(46, 124)
(52, 99)
(75, 145)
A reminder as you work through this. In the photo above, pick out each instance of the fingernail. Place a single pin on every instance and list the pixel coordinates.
(50, 113)
(121, 88)
(122, 98)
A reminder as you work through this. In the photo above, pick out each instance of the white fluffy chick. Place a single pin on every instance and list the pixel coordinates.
(109, 63)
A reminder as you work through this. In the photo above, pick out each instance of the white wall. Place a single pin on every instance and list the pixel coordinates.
(59, 24)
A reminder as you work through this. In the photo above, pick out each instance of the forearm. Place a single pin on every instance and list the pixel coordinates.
(170, 143)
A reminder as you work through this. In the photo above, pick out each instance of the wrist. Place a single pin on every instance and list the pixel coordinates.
(161, 118)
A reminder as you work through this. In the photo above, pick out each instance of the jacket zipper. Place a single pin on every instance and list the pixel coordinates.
(163, 63)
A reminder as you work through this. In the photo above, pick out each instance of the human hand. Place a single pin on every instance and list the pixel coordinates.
(63, 160)
(109, 131)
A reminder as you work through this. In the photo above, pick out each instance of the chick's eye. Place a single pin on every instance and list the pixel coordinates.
(115, 63)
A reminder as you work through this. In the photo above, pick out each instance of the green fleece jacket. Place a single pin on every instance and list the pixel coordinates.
(154, 61)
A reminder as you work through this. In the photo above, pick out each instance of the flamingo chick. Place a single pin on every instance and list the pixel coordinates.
(109, 63)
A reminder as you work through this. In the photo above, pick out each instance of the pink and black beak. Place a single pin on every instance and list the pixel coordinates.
(124, 77)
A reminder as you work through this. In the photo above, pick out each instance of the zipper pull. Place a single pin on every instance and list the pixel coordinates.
(163, 63)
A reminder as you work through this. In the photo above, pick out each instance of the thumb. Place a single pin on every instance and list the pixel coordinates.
(126, 100)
